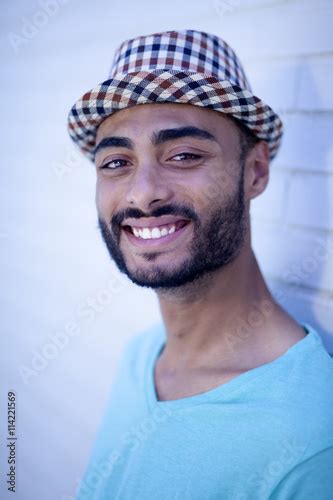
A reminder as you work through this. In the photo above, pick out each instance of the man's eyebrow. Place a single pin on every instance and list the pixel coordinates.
(178, 133)
(157, 139)
(114, 142)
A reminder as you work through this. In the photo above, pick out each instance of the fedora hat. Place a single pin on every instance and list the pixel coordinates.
(189, 67)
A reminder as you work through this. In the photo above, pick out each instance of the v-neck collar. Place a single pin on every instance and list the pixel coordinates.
(222, 391)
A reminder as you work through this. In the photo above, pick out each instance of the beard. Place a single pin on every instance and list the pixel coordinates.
(216, 242)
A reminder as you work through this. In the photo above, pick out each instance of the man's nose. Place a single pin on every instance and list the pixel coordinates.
(148, 186)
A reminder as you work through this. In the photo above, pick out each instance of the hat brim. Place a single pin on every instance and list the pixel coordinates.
(144, 87)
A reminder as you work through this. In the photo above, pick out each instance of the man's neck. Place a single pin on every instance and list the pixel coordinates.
(222, 319)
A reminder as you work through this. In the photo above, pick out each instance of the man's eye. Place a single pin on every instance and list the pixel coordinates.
(113, 164)
(185, 156)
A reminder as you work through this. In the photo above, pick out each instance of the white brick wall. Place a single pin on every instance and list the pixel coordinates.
(48, 227)
(314, 92)
(308, 201)
(307, 144)
(297, 208)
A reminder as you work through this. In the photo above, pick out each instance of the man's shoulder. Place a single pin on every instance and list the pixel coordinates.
(316, 363)
(311, 478)
(308, 368)
(302, 391)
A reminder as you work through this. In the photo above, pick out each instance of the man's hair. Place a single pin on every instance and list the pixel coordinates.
(247, 139)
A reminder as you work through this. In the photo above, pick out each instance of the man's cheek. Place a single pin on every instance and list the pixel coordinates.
(104, 200)
(208, 194)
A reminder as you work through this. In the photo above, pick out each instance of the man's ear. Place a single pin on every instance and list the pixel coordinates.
(257, 170)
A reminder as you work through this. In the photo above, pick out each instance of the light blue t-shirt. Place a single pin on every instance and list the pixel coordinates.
(265, 434)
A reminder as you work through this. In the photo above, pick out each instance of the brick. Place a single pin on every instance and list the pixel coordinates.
(294, 255)
(315, 90)
(309, 201)
(274, 81)
(288, 28)
(307, 142)
(291, 84)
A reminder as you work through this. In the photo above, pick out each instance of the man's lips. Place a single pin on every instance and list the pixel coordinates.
(153, 234)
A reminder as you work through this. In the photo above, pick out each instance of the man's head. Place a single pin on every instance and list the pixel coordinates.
(177, 168)
(181, 146)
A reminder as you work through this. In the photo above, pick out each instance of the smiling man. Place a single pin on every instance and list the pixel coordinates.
(211, 403)
(173, 171)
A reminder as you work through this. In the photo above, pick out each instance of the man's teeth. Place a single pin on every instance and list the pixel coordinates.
(153, 233)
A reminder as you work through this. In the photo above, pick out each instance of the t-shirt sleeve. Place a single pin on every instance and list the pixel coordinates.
(311, 479)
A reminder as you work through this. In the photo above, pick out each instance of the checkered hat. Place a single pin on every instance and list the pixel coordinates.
(186, 66)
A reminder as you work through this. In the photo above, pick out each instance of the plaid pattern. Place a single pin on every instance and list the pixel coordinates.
(188, 67)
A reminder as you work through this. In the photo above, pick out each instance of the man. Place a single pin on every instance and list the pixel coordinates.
(230, 398)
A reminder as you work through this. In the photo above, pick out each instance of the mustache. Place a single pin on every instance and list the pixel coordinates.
(135, 213)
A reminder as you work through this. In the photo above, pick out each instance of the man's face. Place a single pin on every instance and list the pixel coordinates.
(169, 192)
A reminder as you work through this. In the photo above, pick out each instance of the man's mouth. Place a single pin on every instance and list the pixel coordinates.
(156, 232)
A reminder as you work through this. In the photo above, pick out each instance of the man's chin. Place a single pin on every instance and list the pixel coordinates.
(159, 279)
